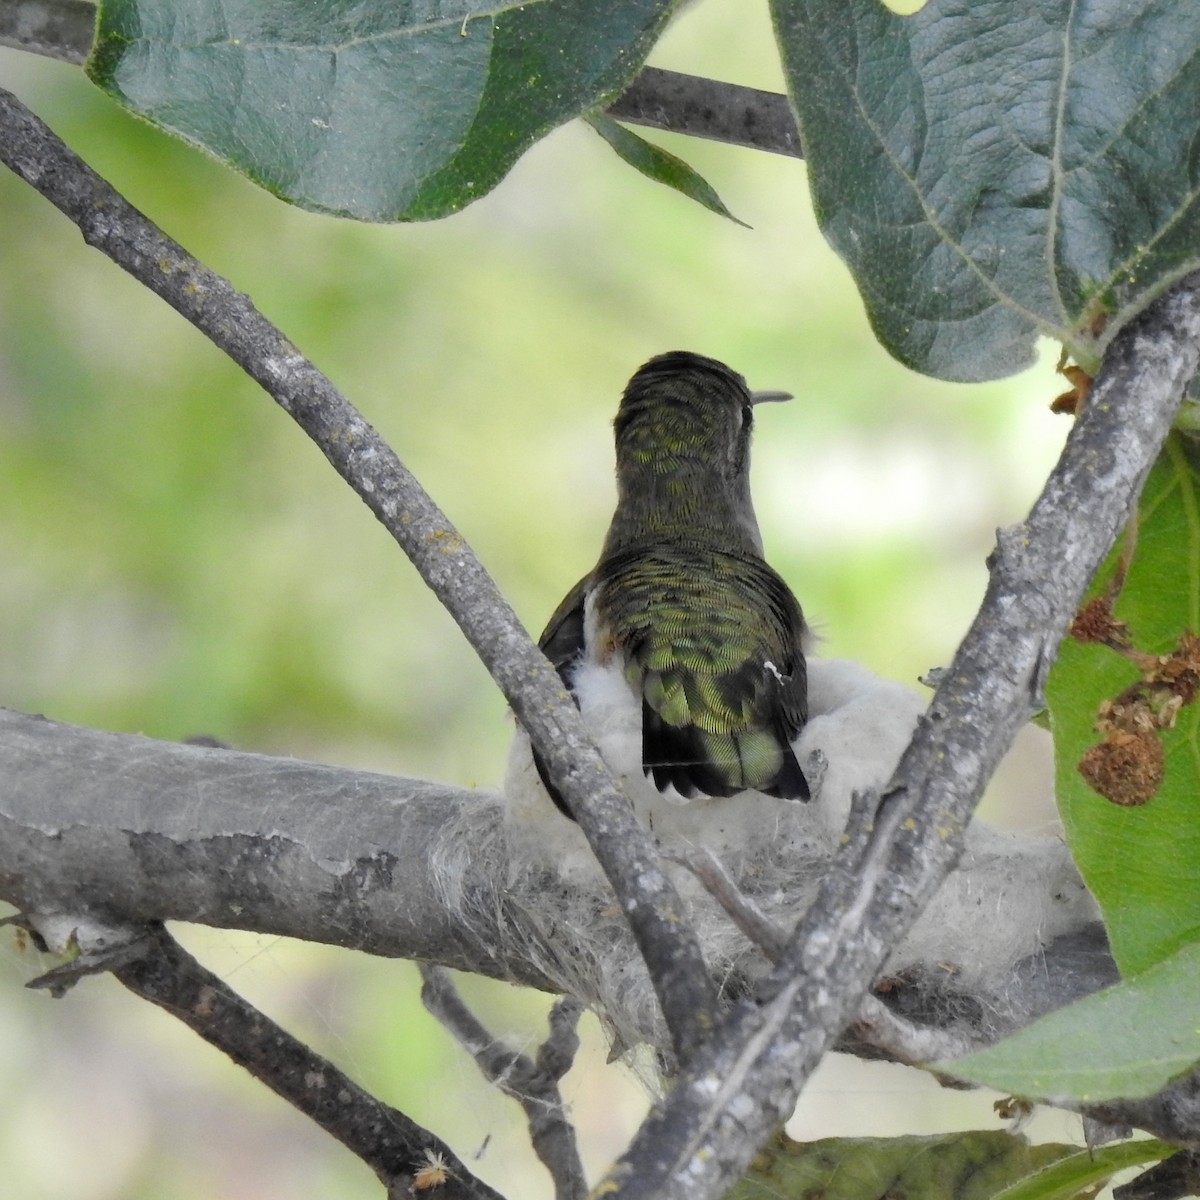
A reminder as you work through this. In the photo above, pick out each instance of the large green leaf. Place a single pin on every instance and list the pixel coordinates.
(974, 1165)
(1130, 666)
(372, 109)
(1142, 863)
(996, 169)
(1123, 1043)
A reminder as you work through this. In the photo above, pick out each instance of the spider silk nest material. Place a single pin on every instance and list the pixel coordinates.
(1011, 895)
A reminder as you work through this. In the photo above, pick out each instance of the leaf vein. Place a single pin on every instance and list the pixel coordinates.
(1003, 298)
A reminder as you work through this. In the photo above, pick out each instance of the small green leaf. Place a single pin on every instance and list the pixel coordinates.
(656, 163)
(1078, 1174)
(1123, 1043)
(992, 172)
(1141, 863)
(368, 108)
(957, 1166)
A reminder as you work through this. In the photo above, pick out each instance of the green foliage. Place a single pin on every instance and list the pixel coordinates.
(657, 164)
(1123, 1043)
(378, 111)
(975, 1165)
(995, 171)
(1078, 1176)
(1122, 695)
(1142, 861)
(990, 172)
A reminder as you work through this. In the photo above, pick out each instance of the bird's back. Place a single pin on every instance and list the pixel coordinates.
(711, 640)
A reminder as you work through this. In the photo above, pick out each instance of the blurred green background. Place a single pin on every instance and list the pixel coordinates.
(176, 559)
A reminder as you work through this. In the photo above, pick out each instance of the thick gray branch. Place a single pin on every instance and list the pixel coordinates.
(420, 528)
(127, 829)
(140, 830)
(59, 29)
(744, 1082)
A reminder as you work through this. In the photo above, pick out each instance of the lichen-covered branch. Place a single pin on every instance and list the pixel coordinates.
(148, 830)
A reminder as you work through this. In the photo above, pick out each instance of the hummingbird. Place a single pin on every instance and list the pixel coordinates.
(681, 613)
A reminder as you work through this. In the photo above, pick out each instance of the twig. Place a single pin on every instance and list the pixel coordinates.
(698, 1140)
(151, 964)
(532, 1083)
(876, 1025)
(708, 108)
(905, 1041)
(528, 681)
(741, 910)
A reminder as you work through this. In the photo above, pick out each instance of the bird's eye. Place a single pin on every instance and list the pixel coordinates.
(747, 417)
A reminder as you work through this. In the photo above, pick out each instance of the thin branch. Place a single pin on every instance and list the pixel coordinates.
(904, 1041)
(876, 1025)
(532, 1083)
(758, 928)
(528, 681)
(698, 1141)
(151, 964)
(708, 108)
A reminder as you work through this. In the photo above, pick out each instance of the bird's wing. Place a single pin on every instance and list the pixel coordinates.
(712, 641)
(562, 644)
(562, 639)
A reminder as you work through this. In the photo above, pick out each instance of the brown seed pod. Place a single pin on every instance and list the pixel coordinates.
(1126, 768)
(1095, 622)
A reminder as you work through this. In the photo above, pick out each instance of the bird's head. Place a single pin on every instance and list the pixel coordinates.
(683, 410)
(683, 452)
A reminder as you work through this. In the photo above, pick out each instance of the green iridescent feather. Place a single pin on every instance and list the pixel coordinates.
(682, 603)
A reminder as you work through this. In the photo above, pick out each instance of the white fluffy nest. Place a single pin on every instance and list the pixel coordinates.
(1011, 895)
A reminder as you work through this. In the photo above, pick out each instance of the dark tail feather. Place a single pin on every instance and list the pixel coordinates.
(677, 756)
(790, 783)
